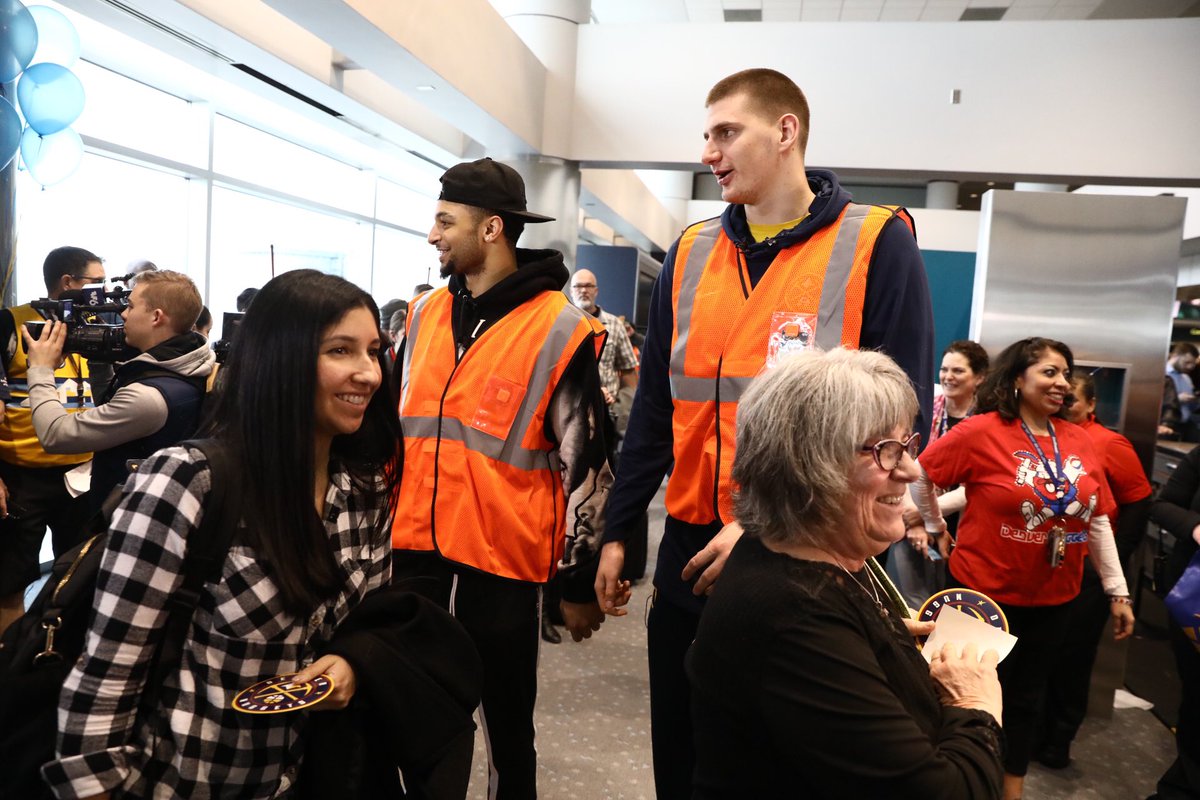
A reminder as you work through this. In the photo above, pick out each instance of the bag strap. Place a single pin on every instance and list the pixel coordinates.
(206, 552)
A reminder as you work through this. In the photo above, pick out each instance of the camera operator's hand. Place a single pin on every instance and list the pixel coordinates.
(47, 350)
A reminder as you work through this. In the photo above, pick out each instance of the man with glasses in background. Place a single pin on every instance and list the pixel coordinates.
(33, 491)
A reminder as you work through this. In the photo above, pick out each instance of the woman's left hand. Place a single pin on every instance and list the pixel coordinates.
(1122, 614)
(342, 675)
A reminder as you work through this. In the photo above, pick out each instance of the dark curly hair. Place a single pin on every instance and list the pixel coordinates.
(998, 391)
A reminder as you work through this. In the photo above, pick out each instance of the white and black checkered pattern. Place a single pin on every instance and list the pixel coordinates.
(194, 744)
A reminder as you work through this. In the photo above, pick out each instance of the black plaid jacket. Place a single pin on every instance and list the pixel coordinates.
(194, 744)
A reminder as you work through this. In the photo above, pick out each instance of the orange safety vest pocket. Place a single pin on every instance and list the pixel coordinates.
(498, 406)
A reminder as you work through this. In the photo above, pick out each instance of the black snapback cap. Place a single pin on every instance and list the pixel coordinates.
(488, 184)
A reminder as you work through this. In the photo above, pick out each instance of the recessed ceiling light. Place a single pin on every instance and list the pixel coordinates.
(991, 183)
(974, 195)
(427, 88)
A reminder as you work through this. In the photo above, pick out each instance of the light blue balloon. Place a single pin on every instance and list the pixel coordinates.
(18, 39)
(50, 159)
(50, 96)
(57, 40)
(10, 132)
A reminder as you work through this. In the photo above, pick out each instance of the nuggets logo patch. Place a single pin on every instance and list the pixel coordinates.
(281, 693)
(968, 601)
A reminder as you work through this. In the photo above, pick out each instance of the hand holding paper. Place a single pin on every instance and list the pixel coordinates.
(954, 627)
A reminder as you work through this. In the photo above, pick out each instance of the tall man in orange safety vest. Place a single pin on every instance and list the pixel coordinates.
(502, 414)
(791, 264)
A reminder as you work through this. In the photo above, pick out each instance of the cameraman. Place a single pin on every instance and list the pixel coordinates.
(32, 492)
(155, 398)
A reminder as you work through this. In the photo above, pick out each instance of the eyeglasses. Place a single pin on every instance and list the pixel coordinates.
(583, 286)
(888, 452)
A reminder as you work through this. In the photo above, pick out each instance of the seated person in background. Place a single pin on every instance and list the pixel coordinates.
(156, 397)
(1180, 364)
(1170, 418)
(804, 676)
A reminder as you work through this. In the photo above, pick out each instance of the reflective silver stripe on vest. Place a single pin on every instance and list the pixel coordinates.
(414, 328)
(693, 270)
(509, 450)
(832, 312)
(454, 430)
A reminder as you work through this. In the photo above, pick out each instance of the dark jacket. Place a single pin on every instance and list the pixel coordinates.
(418, 679)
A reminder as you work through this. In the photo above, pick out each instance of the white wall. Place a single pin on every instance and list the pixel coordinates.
(1108, 99)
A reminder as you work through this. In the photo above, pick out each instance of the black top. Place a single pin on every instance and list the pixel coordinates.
(802, 689)
(1177, 508)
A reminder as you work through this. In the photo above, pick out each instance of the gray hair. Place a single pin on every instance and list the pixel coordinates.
(799, 430)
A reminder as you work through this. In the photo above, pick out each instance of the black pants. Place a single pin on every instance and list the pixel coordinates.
(1181, 781)
(37, 498)
(670, 631)
(1071, 671)
(503, 619)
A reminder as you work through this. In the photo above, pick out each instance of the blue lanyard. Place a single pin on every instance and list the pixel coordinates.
(1058, 479)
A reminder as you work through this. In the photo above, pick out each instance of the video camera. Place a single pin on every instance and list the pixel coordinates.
(229, 328)
(88, 313)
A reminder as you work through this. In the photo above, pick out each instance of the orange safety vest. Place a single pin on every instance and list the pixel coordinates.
(812, 296)
(482, 484)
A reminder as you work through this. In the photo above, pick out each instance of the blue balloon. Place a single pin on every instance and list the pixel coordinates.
(57, 41)
(18, 39)
(10, 132)
(51, 97)
(52, 158)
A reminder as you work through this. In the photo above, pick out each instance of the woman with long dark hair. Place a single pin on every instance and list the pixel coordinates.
(311, 438)
(1036, 501)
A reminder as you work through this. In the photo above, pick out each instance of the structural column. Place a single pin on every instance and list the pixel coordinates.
(941, 194)
(550, 29)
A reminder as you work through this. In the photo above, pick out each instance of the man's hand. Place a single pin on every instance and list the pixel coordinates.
(340, 672)
(581, 618)
(3, 500)
(609, 397)
(709, 562)
(46, 351)
(611, 592)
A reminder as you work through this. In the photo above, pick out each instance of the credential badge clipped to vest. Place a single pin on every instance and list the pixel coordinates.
(791, 332)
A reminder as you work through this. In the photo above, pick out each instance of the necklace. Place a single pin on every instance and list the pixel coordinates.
(873, 594)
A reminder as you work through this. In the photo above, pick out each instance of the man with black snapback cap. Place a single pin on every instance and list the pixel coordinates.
(502, 413)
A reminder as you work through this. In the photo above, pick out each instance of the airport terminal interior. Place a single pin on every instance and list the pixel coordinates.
(1047, 151)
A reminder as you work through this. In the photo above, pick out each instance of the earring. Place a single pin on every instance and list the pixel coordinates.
(1017, 394)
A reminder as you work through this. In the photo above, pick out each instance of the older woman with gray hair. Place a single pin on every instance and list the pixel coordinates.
(805, 676)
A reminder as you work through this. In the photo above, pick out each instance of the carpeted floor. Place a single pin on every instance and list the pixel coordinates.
(594, 730)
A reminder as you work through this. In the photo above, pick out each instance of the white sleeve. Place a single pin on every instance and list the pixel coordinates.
(1102, 548)
(925, 497)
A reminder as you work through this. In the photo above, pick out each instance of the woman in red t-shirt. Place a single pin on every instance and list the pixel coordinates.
(1037, 500)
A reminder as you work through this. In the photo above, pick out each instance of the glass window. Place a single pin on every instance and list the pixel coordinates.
(255, 156)
(254, 238)
(134, 115)
(120, 211)
(403, 206)
(401, 262)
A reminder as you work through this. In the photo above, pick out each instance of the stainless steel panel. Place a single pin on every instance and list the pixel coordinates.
(1096, 272)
